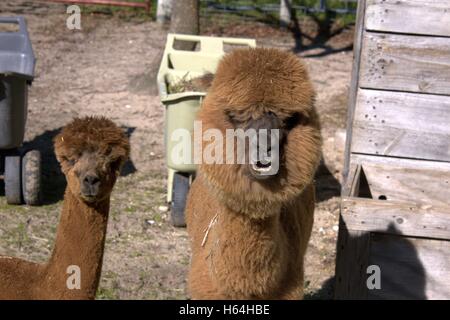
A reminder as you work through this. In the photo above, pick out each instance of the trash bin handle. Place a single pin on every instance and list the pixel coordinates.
(18, 20)
(212, 44)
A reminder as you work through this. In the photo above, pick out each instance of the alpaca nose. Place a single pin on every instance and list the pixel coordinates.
(265, 154)
(91, 180)
(91, 184)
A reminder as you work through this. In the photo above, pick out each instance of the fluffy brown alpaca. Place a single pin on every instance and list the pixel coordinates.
(91, 152)
(249, 235)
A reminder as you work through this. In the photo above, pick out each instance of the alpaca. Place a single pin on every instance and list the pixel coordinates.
(91, 152)
(249, 231)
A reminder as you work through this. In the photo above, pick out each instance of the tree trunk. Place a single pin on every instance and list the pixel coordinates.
(185, 20)
(163, 11)
(285, 12)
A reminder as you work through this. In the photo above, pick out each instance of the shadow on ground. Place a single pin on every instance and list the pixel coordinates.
(320, 41)
(326, 292)
(326, 31)
(327, 186)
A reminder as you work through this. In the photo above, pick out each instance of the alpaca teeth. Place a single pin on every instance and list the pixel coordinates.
(261, 169)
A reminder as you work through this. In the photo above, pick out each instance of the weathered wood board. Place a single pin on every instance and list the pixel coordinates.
(353, 246)
(410, 268)
(405, 63)
(357, 46)
(409, 184)
(367, 159)
(397, 218)
(395, 209)
(431, 17)
(390, 233)
(421, 182)
(402, 124)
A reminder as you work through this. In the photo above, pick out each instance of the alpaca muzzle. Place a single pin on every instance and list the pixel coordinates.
(90, 186)
(264, 160)
(264, 147)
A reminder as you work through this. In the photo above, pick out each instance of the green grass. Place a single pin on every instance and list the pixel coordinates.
(126, 13)
(109, 287)
(107, 294)
(19, 236)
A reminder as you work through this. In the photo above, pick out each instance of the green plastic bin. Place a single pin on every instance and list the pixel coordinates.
(181, 108)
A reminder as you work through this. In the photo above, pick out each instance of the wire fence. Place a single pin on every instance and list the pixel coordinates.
(270, 7)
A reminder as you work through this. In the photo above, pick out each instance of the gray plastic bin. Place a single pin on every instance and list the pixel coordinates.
(21, 169)
(13, 111)
(16, 72)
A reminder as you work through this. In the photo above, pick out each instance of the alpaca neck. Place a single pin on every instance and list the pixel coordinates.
(79, 242)
(251, 251)
(256, 210)
(267, 225)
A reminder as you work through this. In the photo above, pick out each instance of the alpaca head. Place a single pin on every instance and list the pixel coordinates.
(263, 89)
(91, 152)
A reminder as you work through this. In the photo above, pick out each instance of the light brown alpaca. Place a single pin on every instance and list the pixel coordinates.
(249, 232)
(91, 152)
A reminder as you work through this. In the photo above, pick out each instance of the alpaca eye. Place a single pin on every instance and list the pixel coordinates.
(69, 161)
(231, 117)
(293, 120)
(115, 165)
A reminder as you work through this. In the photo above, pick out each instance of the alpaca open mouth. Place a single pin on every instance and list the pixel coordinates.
(261, 167)
(89, 197)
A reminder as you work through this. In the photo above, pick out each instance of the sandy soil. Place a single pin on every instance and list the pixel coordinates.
(109, 68)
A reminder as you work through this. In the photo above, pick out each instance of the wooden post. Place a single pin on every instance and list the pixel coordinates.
(163, 11)
(285, 12)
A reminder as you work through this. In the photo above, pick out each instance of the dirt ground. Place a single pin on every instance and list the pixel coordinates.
(109, 68)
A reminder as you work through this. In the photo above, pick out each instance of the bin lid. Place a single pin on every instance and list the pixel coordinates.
(16, 52)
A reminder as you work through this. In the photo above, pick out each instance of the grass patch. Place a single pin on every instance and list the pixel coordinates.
(125, 13)
(18, 236)
(107, 294)
(109, 288)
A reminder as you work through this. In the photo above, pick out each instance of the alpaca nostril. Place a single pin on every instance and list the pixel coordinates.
(91, 180)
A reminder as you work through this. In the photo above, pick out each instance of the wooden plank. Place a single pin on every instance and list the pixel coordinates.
(431, 17)
(410, 268)
(407, 184)
(354, 189)
(351, 184)
(357, 47)
(402, 125)
(405, 63)
(393, 217)
(352, 256)
(401, 143)
(418, 185)
(370, 160)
